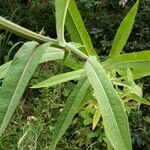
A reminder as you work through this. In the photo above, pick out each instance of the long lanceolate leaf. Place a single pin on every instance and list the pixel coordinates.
(135, 61)
(111, 107)
(49, 54)
(124, 31)
(60, 13)
(77, 30)
(17, 78)
(73, 104)
(57, 79)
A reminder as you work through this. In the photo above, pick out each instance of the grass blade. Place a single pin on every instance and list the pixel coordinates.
(124, 31)
(73, 104)
(17, 78)
(57, 79)
(110, 104)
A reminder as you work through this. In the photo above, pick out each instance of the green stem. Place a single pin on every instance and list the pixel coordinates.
(76, 51)
(21, 31)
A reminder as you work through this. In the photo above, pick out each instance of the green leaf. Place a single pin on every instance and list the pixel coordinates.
(133, 88)
(17, 78)
(109, 146)
(52, 53)
(49, 54)
(76, 51)
(72, 62)
(4, 68)
(140, 73)
(110, 105)
(135, 61)
(136, 73)
(96, 118)
(124, 31)
(72, 106)
(23, 32)
(76, 45)
(61, 7)
(77, 30)
(129, 77)
(137, 98)
(57, 79)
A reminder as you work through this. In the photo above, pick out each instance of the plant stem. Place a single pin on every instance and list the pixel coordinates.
(21, 31)
(76, 51)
